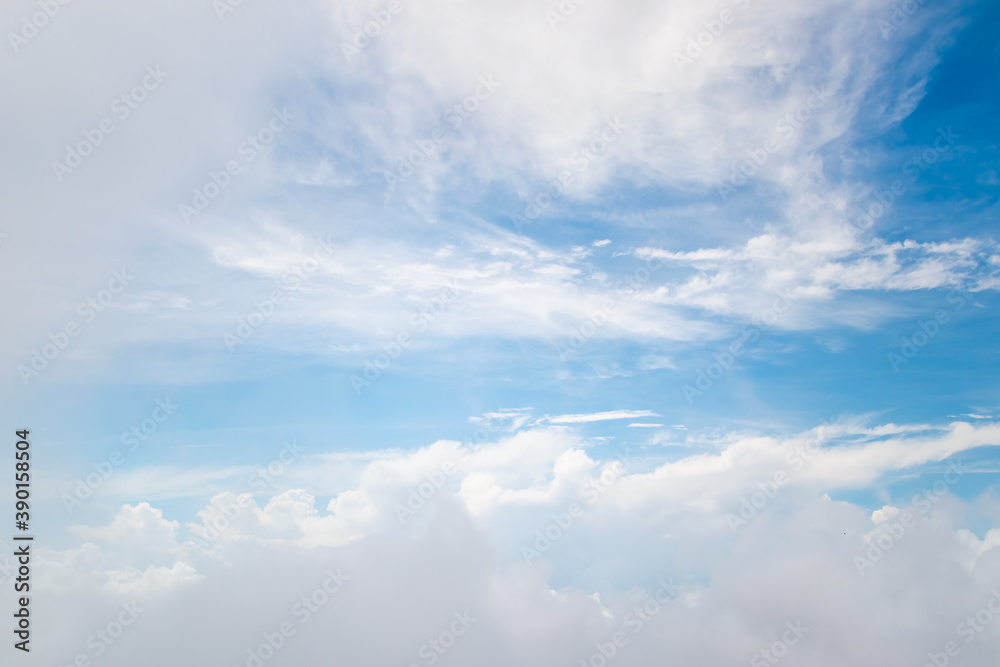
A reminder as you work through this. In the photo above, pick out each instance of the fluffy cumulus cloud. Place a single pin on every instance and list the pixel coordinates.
(531, 548)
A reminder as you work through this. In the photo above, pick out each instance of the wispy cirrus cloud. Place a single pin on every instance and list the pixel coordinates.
(601, 416)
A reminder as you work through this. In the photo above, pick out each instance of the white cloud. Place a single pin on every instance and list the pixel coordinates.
(558, 87)
(462, 549)
(601, 416)
(655, 521)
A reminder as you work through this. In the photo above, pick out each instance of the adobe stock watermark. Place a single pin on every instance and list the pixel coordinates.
(104, 469)
(768, 488)
(104, 637)
(915, 167)
(432, 650)
(926, 330)
(419, 322)
(370, 31)
(419, 495)
(626, 288)
(259, 481)
(590, 492)
(706, 38)
(303, 612)
(122, 107)
(779, 649)
(61, 339)
(968, 629)
(751, 333)
(30, 25)
(248, 150)
(455, 116)
(899, 17)
(784, 130)
(224, 7)
(581, 159)
(635, 620)
(889, 532)
(562, 12)
(264, 309)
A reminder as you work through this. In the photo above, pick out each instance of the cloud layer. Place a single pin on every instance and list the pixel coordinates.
(529, 532)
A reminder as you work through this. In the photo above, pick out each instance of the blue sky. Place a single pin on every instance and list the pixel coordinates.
(574, 265)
